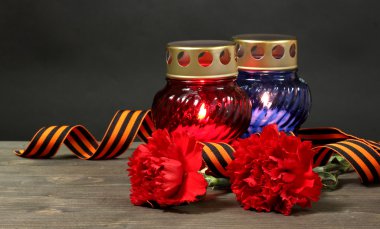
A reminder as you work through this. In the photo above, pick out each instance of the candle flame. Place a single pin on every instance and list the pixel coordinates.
(202, 112)
(265, 99)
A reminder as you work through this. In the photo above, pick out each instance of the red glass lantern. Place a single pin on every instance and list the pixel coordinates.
(201, 95)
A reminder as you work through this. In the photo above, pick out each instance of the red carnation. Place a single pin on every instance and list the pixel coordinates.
(165, 171)
(273, 171)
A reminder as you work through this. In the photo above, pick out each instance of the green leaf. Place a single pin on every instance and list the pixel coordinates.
(327, 168)
(329, 180)
(345, 166)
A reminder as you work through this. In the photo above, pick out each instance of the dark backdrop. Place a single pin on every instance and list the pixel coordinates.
(70, 62)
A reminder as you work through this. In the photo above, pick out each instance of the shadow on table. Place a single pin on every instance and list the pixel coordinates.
(324, 205)
(346, 181)
(331, 205)
(221, 201)
(73, 156)
(214, 201)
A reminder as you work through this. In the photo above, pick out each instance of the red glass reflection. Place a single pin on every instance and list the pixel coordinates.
(212, 110)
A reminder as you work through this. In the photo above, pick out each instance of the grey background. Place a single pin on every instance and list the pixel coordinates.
(77, 62)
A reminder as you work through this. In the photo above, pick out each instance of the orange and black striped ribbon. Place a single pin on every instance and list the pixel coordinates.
(126, 125)
(121, 132)
(217, 156)
(362, 154)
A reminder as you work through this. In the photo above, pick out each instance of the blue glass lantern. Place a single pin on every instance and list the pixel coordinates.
(268, 73)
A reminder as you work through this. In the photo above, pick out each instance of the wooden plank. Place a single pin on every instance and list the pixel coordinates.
(66, 192)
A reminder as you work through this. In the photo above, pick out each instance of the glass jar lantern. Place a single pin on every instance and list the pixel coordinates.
(201, 95)
(268, 73)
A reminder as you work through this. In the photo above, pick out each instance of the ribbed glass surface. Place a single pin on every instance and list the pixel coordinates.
(212, 110)
(279, 97)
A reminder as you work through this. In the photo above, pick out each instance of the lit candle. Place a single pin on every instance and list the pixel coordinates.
(202, 112)
(266, 100)
(268, 73)
(201, 95)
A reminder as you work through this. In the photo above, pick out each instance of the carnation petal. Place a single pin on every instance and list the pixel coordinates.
(288, 177)
(270, 132)
(290, 143)
(193, 186)
(190, 150)
(172, 175)
(165, 170)
(273, 172)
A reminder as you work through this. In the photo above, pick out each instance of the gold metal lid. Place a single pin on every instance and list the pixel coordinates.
(266, 51)
(201, 59)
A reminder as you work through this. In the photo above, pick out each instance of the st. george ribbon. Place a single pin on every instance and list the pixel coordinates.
(126, 125)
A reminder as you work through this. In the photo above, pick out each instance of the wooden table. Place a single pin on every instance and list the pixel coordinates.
(66, 192)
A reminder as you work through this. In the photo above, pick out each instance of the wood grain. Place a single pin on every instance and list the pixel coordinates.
(66, 192)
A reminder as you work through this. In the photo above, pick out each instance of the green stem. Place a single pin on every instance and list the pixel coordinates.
(329, 173)
(219, 183)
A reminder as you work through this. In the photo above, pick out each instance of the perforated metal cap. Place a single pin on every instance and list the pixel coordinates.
(201, 59)
(266, 51)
